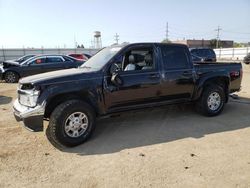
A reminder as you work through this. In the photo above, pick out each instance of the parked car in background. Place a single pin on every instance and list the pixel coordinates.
(24, 58)
(21, 59)
(11, 72)
(247, 59)
(207, 54)
(197, 59)
(88, 56)
(79, 56)
(121, 78)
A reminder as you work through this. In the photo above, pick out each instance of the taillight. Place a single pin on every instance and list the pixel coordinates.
(236, 73)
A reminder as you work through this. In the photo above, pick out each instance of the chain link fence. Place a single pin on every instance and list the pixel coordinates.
(7, 54)
(232, 53)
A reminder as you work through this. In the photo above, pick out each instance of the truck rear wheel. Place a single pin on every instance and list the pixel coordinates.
(212, 101)
(71, 123)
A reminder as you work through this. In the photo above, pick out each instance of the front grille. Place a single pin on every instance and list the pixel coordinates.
(26, 86)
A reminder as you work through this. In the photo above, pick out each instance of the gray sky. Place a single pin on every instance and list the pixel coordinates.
(47, 23)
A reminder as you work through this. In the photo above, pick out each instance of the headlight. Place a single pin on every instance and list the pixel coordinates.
(28, 97)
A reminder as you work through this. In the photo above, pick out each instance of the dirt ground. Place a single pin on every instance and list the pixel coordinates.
(170, 146)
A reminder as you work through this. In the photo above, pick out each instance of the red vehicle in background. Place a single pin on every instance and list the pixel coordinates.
(79, 56)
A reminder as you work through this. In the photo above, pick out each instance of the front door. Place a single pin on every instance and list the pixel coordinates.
(140, 80)
(34, 66)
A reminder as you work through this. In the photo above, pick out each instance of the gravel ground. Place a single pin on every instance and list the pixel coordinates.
(170, 146)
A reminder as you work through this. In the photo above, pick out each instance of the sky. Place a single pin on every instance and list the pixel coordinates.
(59, 23)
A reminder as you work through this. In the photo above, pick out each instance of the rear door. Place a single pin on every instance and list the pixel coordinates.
(71, 63)
(178, 81)
(54, 63)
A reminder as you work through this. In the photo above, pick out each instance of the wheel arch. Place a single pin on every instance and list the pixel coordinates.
(58, 99)
(221, 80)
(16, 72)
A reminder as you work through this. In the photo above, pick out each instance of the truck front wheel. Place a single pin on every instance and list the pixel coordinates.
(212, 101)
(71, 123)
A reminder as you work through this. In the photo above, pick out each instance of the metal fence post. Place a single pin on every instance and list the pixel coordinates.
(220, 53)
(3, 54)
(233, 53)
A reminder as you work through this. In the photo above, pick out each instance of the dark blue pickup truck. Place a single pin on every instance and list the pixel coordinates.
(121, 78)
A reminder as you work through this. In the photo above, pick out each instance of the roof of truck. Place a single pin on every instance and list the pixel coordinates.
(146, 43)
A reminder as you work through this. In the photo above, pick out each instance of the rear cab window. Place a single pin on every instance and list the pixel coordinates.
(203, 52)
(175, 57)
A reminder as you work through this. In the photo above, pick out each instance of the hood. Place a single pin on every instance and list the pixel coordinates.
(10, 62)
(60, 76)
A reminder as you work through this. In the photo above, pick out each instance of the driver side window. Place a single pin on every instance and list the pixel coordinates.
(38, 61)
(138, 60)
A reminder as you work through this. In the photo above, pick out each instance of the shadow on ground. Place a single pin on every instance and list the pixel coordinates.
(161, 125)
(5, 100)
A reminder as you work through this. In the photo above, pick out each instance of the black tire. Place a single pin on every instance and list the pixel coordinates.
(57, 123)
(11, 77)
(204, 107)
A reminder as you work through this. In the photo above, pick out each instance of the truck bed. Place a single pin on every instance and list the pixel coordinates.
(233, 70)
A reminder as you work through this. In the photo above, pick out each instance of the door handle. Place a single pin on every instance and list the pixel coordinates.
(186, 73)
(154, 76)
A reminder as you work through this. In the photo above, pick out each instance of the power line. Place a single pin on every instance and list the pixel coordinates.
(236, 32)
(218, 36)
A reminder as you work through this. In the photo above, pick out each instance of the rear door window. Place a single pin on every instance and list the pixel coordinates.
(54, 60)
(67, 59)
(174, 57)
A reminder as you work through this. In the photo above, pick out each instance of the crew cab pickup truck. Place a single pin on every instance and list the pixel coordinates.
(121, 78)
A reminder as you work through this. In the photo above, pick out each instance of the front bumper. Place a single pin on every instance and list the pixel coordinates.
(32, 117)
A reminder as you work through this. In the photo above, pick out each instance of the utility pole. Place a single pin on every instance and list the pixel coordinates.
(167, 32)
(116, 38)
(218, 36)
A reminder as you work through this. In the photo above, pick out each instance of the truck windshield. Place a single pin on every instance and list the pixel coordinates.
(101, 58)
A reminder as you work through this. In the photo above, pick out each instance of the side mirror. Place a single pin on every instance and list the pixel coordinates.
(116, 79)
(114, 68)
